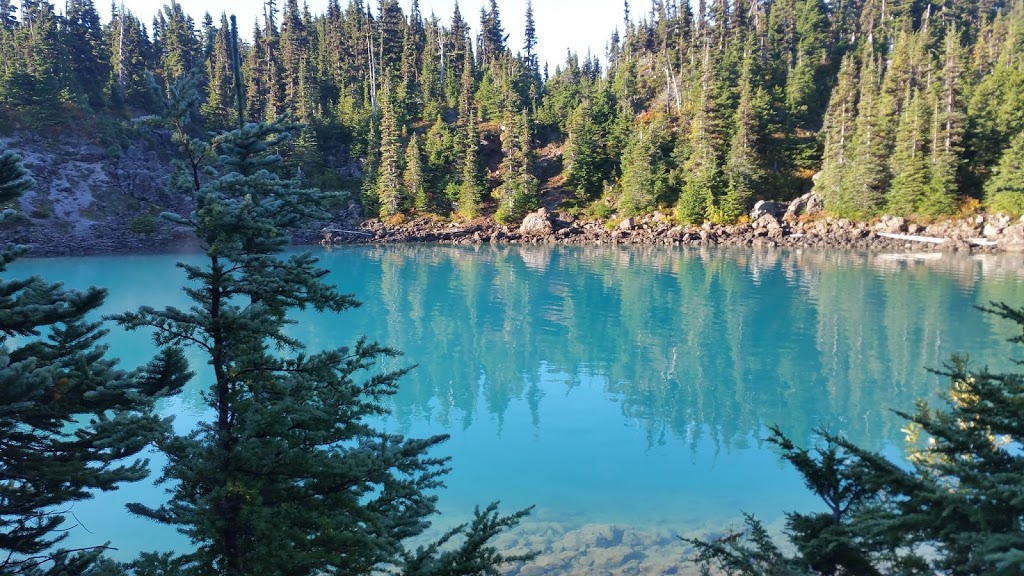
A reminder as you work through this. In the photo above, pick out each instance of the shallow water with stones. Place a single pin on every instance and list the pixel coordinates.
(624, 392)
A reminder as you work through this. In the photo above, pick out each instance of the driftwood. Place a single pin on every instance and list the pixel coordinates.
(934, 240)
(340, 231)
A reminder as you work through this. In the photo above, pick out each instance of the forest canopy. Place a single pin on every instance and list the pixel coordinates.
(908, 107)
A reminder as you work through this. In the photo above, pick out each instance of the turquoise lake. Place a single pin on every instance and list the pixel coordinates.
(625, 392)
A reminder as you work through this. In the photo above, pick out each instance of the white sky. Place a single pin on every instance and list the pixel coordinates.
(561, 24)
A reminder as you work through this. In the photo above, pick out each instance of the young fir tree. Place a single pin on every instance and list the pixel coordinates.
(413, 179)
(71, 421)
(369, 193)
(583, 162)
(442, 150)
(470, 188)
(643, 170)
(289, 475)
(517, 193)
(954, 510)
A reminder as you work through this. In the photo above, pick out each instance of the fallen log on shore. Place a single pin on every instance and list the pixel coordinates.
(934, 240)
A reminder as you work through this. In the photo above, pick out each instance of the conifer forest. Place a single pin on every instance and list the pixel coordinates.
(902, 107)
(909, 108)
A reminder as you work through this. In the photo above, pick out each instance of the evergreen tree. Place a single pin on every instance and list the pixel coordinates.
(459, 54)
(294, 48)
(955, 510)
(289, 475)
(129, 46)
(743, 171)
(389, 185)
(866, 177)
(804, 97)
(470, 188)
(442, 150)
(83, 38)
(31, 85)
(390, 23)
(909, 163)
(1004, 192)
(467, 88)
(71, 421)
(517, 193)
(218, 110)
(492, 35)
(947, 134)
(644, 177)
(838, 135)
(180, 49)
(413, 179)
(584, 165)
(530, 40)
(370, 199)
(702, 170)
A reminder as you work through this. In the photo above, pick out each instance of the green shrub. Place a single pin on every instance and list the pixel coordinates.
(143, 225)
(1010, 202)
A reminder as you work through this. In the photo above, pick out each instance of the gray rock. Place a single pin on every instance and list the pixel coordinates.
(768, 226)
(627, 224)
(809, 204)
(891, 225)
(1013, 238)
(774, 209)
(537, 224)
(991, 230)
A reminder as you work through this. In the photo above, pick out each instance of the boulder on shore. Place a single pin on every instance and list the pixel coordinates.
(537, 224)
(1013, 238)
(773, 209)
(809, 204)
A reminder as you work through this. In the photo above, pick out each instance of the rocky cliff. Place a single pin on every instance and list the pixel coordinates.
(92, 198)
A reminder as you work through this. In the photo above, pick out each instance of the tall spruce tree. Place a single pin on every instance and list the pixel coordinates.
(838, 136)
(83, 38)
(947, 133)
(289, 475)
(743, 170)
(389, 188)
(702, 180)
(71, 421)
(909, 162)
(867, 175)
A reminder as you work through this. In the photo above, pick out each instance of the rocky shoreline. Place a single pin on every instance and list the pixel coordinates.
(888, 234)
(984, 234)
